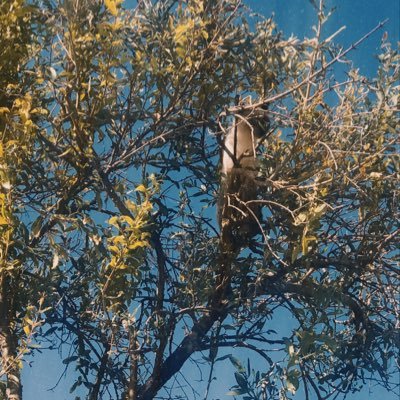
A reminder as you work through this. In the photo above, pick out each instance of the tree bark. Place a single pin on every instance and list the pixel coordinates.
(192, 342)
(94, 395)
(218, 306)
(8, 342)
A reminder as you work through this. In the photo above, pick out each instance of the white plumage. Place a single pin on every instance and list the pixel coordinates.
(239, 212)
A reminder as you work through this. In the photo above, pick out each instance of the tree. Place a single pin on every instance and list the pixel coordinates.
(111, 125)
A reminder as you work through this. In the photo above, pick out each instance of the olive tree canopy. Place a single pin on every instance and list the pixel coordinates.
(111, 124)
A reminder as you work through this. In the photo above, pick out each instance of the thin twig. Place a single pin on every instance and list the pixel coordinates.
(316, 73)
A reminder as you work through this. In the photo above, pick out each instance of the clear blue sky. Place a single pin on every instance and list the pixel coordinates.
(292, 16)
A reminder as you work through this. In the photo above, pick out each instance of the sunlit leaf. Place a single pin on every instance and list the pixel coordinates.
(112, 6)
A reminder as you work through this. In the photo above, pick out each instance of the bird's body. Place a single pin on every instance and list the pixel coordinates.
(239, 212)
(239, 147)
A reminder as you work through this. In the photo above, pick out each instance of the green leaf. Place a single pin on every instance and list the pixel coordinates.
(241, 381)
(68, 360)
(236, 363)
(75, 385)
(36, 226)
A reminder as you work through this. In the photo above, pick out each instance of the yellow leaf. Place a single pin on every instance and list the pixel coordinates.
(12, 143)
(27, 329)
(27, 122)
(140, 243)
(40, 111)
(181, 51)
(305, 242)
(112, 6)
(131, 206)
(304, 245)
(180, 31)
(324, 191)
(113, 221)
(118, 239)
(204, 33)
(141, 188)
(138, 55)
(3, 221)
(114, 249)
(127, 219)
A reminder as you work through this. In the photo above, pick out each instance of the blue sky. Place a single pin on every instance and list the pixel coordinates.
(292, 16)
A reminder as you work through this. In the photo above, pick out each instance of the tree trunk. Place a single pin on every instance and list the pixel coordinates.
(192, 342)
(8, 343)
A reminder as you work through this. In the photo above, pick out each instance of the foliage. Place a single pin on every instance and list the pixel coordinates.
(111, 122)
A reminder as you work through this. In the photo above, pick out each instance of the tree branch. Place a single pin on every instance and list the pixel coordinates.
(310, 77)
(192, 342)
